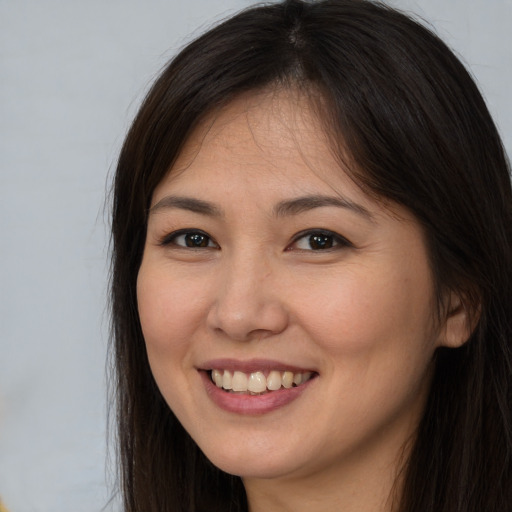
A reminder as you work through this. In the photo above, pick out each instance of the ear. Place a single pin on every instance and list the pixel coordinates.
(459, 321)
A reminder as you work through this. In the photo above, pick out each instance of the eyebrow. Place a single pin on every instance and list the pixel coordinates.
(303, 204)
(187, 203)
(284, 208)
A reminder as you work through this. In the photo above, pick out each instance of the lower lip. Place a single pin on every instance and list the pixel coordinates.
(252, 404)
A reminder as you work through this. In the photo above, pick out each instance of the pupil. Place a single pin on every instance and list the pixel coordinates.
(320, 242)
(196, 240)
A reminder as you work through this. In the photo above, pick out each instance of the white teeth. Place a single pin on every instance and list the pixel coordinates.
(227, 380)
(256, 382)
(217, 378)
(287, 380)
(274, 380)
(239, 381)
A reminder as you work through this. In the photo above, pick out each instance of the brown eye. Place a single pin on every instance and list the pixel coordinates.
(319, 241)
(196, 240)
(189, 239)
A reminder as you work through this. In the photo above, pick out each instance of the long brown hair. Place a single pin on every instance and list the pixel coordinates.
(416, 130)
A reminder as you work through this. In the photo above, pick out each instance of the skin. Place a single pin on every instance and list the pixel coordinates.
(359, 314)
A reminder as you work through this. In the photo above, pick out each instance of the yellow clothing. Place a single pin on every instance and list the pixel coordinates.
(2, 507)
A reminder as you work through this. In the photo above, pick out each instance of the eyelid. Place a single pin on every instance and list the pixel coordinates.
(169, 238)
(340, 240)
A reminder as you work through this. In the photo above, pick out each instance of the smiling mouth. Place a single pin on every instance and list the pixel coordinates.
(258, 383)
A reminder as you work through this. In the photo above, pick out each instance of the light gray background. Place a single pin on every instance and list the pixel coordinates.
(72, 74)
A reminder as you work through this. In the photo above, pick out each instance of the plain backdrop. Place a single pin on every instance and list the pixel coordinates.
(72, 74)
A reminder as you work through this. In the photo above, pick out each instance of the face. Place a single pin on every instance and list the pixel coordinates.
(288, 317)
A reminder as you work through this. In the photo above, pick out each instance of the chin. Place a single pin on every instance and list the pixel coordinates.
(255, 461)
(253, 469)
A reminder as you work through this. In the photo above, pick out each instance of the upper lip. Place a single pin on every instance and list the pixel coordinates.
(251, 365)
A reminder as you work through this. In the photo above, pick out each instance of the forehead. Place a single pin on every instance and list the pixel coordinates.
(275, 133)
(275, 120)
(264, 150)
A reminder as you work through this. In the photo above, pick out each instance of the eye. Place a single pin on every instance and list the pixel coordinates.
(319, 240)
(193, 239)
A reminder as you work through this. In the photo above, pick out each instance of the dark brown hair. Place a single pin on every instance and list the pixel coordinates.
(417, 132)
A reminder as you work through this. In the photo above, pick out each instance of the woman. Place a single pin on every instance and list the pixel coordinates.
(311, 273)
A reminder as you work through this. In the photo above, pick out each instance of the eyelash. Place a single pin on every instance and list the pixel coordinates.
(319, 236)
(171, 238)
(337, 241)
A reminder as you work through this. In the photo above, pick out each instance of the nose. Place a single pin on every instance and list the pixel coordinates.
(248, 303)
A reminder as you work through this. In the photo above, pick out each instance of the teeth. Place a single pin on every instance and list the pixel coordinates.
(217, 378)
(287, 380)
(256, 382)
(227, 380)
(274, 381)
(239, 381)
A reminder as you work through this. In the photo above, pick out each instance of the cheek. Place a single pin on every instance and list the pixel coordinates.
(169, 311)
(361, 311)
(376, 333)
